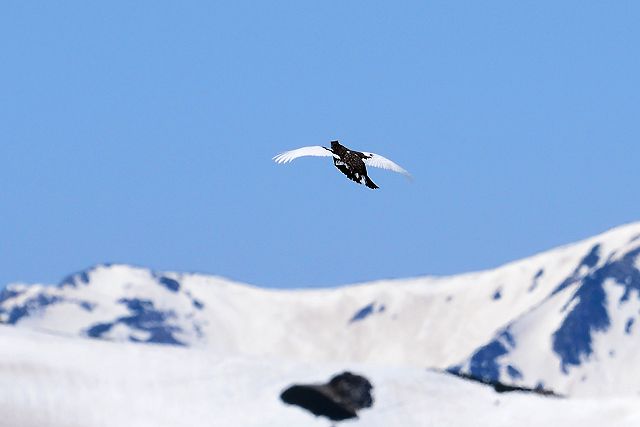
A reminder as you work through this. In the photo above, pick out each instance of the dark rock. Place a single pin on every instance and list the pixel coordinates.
(363, 313)
(505, 388)
(338, 400)
(484, 362)
(145, 317)
(171, 284)
(588, 306)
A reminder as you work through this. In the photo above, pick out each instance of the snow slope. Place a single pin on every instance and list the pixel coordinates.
(565, 319)
(53, 381)
(580, 339)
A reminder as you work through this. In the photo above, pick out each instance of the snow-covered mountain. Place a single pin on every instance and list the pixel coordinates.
(563, 319)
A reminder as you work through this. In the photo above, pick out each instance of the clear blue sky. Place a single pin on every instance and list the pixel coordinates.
(142, 132)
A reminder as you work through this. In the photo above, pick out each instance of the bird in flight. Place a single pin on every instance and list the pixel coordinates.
(350, 162)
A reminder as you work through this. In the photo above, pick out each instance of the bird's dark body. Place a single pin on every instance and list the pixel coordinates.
(351, 164)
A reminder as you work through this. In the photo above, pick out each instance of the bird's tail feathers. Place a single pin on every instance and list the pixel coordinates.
(370, 183)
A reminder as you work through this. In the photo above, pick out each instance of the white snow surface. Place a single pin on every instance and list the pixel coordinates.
(243, 345)
(70, 382)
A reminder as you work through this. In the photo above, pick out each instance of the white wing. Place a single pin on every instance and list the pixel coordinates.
(377, 161)
(315, 150)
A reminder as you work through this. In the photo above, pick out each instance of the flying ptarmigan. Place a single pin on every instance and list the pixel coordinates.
(351, 163)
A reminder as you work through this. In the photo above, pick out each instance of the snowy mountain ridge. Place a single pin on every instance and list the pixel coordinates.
(563, 319)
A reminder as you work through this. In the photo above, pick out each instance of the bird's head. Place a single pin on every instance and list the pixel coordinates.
(335, 144)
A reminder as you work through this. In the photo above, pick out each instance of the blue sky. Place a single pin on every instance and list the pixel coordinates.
(142, 132)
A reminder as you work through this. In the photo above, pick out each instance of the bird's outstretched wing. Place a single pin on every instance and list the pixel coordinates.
(315, 150)
(378, 161)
